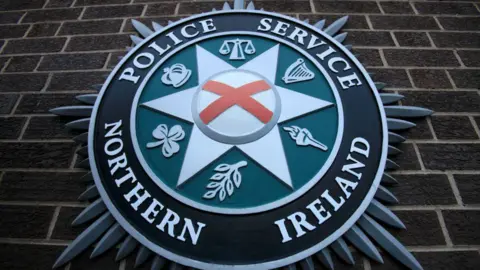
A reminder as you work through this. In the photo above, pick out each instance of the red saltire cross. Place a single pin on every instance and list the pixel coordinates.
(240, 96)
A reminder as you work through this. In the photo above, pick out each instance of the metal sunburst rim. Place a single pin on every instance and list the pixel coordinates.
(105, 232)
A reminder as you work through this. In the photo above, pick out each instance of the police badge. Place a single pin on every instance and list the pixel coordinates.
(240, 139)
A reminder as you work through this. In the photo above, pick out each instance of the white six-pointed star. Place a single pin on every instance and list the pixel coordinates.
(268, 150)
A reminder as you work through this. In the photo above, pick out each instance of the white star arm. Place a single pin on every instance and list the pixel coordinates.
(209, 64)
(178, 104)
(264, 64)
(295, 104)
(268, 152)
(201, 151)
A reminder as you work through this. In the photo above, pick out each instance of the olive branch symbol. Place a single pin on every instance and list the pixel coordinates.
(167, 139)
(224, 181)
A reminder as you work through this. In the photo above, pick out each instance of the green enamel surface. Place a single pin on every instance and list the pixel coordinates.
(258, 186)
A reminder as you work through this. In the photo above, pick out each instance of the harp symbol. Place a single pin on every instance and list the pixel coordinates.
(297, 72)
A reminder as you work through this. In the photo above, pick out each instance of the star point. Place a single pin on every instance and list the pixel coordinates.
(267, 151)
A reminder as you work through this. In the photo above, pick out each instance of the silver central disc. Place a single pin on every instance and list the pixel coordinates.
(236, 106)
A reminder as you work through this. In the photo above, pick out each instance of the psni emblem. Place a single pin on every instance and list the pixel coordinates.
(251, 145)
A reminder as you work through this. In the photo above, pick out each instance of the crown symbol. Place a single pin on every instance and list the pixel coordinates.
(297, 72)
(176, 75)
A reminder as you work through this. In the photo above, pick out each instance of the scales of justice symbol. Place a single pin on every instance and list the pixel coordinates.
(235, 48)
(238, 107)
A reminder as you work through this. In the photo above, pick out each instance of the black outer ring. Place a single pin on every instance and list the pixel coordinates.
(242, 239)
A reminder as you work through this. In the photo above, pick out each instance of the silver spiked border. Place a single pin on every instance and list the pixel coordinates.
(105, 232)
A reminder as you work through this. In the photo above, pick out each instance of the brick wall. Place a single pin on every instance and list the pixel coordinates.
(52, 50)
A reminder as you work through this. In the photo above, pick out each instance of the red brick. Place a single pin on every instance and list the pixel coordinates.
(37, 45)
(10, 127)
(36, 155)
(446, 8)
(462, 226)
(41, 186)
(420, 58)
(25, 221)
(113, 11)
(59, 14)
(403, 22)
(22, 257)
(346, 6)
(94, 43)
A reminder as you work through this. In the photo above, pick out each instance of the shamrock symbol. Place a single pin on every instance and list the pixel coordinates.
(167, 138)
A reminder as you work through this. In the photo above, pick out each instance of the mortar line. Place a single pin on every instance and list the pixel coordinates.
(430, 126)
(455, 52)
(30, 114)
(40, 170)
(109, 57)
(408, 172)
(312, 7)
(47, 83)
(477, 6)
(73, 92)
(2, 48)
(73, 3)
(475, 126)
(366, 264)
(122, 265)
(293, 14)
(395, 41)
(414, 8)
(53, 222)
(435, 207)
(382, 56)
(23, 17)
(380, 7)
(16, 104)
(455, 189)
(303, 13)
(66, 53)
(65, 45)
(457, 113)
(6, 64)
(443, 226)
(443, 248)
(36, 203)
(175, 17)
(46, 4)
(74, 158)
(369, 23)
(177, 8)
(431, 40)
(59, 28)
(122, 27)
(444, 141)
(24, 128)
(410, 78)
(451, 80)
(419, 157)
(438, 22)
(144, 10)
(34, 241)
(37, 140)
(28, 30)
(80, 17)
(429, 89)
(38, 64)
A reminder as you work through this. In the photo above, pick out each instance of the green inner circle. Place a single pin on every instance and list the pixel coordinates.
(258, 186)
